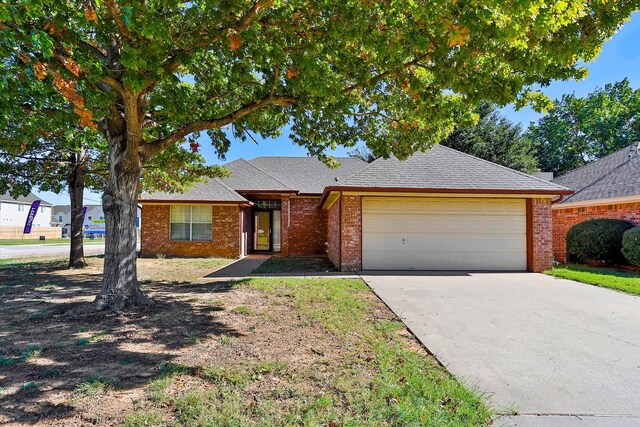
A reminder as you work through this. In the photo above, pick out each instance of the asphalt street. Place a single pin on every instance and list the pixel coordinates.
(46, 250)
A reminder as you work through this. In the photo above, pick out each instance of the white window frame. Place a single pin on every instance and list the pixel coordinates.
(191, 224)
(20, 207)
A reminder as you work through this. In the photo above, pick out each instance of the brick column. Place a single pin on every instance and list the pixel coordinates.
(285, 209)
(333, 233)
(351, 236)
(541, 241)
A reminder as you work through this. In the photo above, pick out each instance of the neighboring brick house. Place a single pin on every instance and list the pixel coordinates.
(439, 210)
(606, 188)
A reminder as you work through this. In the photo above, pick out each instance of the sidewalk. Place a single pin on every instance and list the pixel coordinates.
(238, 269)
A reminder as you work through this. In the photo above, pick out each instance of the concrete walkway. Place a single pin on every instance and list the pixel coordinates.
(238, 269)
(556, 352)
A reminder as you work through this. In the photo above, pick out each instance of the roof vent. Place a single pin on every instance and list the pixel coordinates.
(337, 179)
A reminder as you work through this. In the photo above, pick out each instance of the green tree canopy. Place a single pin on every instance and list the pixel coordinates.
(496, 139)
(493, 138)
(579, 130)
(147, 74)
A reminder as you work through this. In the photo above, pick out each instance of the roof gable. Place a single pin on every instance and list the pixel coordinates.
(213, 190)
(28, 199)
(249, 177)
(443, 168)
(615, 175)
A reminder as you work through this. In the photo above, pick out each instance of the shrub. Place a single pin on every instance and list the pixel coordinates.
(598, 240)
(631, 245)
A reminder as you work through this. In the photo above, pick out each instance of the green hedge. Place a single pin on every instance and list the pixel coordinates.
(597, 240)
(631, 245)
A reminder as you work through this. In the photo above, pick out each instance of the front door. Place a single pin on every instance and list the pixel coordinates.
(262, 231)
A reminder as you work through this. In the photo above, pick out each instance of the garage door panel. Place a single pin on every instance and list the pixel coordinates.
(444, 233)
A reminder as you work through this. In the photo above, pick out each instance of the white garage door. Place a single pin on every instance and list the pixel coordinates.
(443, 234)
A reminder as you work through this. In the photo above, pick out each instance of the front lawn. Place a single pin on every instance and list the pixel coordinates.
(606, 277)
(260, 351)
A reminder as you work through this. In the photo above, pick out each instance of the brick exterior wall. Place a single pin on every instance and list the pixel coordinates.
(246, 234)
(225, 242)
(308, 227)
(565, 218)
(541, 237)
(333, 233)
(351, 240)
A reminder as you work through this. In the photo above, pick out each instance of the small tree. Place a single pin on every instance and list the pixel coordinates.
(45, 148)
(397, 75)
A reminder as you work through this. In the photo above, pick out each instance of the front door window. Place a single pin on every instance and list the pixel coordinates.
(262, 238)
(276, 231)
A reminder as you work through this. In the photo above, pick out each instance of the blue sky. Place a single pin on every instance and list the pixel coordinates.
(620, 58)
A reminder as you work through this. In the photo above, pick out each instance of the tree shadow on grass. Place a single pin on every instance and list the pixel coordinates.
(45, 353)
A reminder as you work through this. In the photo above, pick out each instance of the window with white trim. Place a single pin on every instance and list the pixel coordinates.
(20, 208)
(190, 223)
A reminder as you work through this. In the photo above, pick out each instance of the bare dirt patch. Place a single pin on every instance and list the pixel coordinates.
(227, 353)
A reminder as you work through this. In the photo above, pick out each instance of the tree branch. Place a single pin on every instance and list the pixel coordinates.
(173, 62)
(276, 76)
(158, 145)
(115, 84)
(114, 10)
(384, 74)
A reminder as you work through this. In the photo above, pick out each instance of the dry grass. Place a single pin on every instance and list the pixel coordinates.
(254, 352)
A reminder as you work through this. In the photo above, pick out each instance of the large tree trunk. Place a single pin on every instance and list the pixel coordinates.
(120, 289)
(75, 181)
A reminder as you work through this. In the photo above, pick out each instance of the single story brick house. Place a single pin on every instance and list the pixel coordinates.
(438, 210)
(606, 188)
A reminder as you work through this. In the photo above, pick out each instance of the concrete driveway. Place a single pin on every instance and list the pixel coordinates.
(554, 351)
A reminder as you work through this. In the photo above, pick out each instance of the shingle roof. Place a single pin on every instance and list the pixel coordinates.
(29, 198)
(247, 176)
(308, 175)
(278, 174)
(443, 168)
(213, 190)
(615, 175)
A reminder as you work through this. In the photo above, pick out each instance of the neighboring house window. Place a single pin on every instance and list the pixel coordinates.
(191, 223)
(20, 208)
(41, 209)
(59, 217)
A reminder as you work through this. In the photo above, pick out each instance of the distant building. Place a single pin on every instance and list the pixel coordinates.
(14, 211)
(94, 220)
